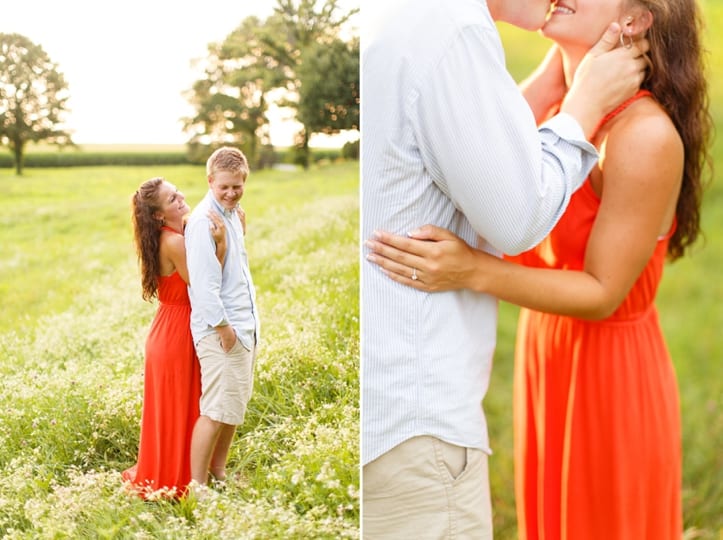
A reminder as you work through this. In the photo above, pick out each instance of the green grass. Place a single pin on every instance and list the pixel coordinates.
(691, 311)
(71, 340)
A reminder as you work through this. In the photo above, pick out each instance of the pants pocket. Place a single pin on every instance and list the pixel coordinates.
(453, 458)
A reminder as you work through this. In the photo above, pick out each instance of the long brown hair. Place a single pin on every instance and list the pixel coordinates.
(678, 82)
(147, 233)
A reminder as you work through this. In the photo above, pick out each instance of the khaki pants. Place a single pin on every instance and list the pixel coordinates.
(426, 488)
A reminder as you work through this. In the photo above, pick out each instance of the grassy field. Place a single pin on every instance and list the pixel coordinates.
(71, 340)
(690, 302)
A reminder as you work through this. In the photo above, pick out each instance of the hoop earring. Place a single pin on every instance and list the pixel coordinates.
(627, 45)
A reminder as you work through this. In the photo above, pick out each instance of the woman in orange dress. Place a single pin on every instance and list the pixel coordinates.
(596, 411)
(172, 379)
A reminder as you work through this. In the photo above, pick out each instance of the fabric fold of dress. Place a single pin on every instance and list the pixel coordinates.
(172, 388)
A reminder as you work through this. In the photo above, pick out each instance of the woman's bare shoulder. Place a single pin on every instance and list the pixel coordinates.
(643, 155)
(645, 127)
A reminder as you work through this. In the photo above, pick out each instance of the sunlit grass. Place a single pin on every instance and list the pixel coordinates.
(72, 372)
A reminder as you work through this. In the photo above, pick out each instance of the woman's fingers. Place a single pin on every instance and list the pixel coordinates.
(397, 255)
(400, 273)
(432, 232)
(394, 267)
(417, 241)
(215, 219)
(216, 226)
(399, 243)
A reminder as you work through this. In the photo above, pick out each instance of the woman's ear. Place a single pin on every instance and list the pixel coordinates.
(637, 23)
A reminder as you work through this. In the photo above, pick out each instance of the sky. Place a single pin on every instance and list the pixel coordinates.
(127, 63)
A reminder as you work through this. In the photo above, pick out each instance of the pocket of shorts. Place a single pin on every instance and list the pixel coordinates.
(455, 460)
(236, 344)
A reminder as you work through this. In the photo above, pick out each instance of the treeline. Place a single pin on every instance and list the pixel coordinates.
(81, 158)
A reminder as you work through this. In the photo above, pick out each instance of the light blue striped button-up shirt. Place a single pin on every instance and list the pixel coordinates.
(218, 294)
(447, 139)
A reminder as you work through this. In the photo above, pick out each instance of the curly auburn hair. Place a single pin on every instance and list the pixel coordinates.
(678, 82)
(147, 233)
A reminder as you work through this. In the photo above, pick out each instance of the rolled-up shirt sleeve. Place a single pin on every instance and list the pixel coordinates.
(478, 140)
(204, 272)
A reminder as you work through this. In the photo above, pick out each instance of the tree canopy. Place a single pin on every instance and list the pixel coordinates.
(329, 87)
(297, 58)
(33, 97)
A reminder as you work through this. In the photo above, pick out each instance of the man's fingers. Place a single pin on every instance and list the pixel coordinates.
(608, 41)
(642, 46)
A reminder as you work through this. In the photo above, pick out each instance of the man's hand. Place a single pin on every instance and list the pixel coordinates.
(607, 76)
(227, 335)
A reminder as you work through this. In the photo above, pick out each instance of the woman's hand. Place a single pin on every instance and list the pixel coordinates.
(217, 227)
(218, 233)
(242, 217)
(429, 259)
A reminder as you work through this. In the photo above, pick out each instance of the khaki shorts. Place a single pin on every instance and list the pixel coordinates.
(427, 489)
(227, 380)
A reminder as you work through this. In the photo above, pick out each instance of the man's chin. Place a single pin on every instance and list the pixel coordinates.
(227, 205)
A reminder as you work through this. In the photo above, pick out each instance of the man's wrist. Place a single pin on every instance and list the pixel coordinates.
(585, 114)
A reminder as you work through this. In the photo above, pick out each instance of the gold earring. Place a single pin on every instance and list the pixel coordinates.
(627, 45)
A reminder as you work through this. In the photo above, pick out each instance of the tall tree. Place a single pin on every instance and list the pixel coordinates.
(230, 100)
(33, 97)
(303, 28)
(257, 62)
(329, 87)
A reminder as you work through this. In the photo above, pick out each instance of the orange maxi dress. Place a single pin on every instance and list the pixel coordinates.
(596, 408)
(172, 388)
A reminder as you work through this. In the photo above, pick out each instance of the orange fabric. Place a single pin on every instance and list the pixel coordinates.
(596, 408)
(172, 388)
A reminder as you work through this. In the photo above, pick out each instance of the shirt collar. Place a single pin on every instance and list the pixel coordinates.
(221, 210)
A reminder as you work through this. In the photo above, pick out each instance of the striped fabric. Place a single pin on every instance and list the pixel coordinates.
(448, 140)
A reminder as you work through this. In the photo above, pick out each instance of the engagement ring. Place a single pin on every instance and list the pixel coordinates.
(414, 274)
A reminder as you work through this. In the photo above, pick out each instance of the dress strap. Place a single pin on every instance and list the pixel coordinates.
(167, 228)
(620, 108)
